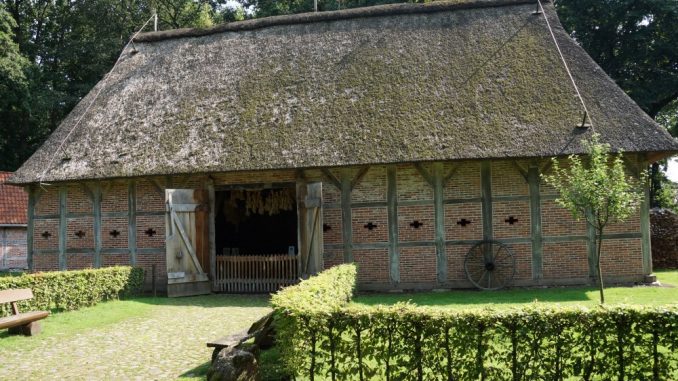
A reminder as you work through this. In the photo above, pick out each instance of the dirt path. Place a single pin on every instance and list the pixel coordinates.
(161, 346)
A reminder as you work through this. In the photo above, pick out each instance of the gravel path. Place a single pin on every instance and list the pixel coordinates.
(161, 346)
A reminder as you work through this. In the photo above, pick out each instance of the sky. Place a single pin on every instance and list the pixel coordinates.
(672, 172)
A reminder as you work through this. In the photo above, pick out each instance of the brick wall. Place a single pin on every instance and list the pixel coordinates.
(115, 221)
(564, 250)
(13, 253)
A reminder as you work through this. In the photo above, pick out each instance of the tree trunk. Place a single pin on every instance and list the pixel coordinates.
(599, 243)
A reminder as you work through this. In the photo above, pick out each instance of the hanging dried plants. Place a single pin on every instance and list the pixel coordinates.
(269, 202)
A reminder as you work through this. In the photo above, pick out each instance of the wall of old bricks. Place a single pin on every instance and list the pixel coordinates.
(137, 236)
(13, 251)
(565, 244)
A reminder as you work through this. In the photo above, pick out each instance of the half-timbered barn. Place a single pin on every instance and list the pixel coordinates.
(242, 157)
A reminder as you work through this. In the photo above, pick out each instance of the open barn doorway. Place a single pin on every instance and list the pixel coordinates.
(256, 235)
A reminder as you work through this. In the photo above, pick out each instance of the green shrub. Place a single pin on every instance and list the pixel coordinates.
(71, 290)
(407, 342)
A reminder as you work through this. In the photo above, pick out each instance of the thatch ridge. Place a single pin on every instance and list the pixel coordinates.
(344, 14)
(455, 84)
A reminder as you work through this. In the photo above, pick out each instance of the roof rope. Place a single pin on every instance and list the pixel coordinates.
(567, 69)
(96, 95)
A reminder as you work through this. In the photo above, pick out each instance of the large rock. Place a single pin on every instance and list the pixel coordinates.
(233, 364)
(664, 239)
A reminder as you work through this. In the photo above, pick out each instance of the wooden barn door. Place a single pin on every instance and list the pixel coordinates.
(310, 229)
(188, 260)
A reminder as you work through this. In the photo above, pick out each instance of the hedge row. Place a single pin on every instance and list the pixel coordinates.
(70, 290)
(407, 342)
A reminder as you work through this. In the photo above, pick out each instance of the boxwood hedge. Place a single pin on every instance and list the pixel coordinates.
(70, 290)
(321, 337)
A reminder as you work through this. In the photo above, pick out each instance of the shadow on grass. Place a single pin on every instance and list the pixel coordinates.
(207, 301)
(475, 297)
(197, 373)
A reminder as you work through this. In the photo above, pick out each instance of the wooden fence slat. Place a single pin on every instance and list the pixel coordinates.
(255, 273)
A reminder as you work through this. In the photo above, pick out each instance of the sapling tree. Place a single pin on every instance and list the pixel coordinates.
(597, 188)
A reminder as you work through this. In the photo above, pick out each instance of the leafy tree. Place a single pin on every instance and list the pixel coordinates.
(598, 191)
(14, 88)
(636, 43)
(173, 14)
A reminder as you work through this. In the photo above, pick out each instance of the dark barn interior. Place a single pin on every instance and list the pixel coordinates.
(256, 222)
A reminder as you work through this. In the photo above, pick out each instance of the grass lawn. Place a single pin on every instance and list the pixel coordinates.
(587, 296)
(141, 338)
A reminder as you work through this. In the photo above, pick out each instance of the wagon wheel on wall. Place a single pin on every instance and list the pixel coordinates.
(490, 265)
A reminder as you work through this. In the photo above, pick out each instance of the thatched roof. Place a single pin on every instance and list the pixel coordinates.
(454, 80)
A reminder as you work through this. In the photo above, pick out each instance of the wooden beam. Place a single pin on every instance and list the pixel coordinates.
(63, 222)
(329, 176)
(439, 207)
(523, 171)
(392, 199)
(451, 173)
(359, 176)
(646, 244)
(132, 221)
(211, 196)
(535, 222)
(157, 185)
(300, 175)
(346, 217)
(96, 208)
(486, 197)
(86, 189)
(424, 173)
(32, 199)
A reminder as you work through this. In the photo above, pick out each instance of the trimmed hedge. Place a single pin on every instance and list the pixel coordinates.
(407, 342)
(71, 290)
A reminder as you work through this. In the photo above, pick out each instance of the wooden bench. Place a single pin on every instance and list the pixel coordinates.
(25, 323)
(228, 341)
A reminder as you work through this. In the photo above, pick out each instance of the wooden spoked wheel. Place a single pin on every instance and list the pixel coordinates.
(490, 265)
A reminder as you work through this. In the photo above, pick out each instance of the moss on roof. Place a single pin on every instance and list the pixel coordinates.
(460, 80)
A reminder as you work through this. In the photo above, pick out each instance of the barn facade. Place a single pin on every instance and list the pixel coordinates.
(240, 158)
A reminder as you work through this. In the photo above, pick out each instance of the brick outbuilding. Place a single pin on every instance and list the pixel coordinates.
(242, 157)
(13, 222)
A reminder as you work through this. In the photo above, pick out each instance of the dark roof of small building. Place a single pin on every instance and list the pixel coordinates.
(13, 203)
(465, 79)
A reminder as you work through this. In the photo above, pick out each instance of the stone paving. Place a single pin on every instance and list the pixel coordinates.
(161, 346)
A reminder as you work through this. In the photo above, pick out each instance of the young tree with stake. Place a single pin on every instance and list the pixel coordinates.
(598, 190)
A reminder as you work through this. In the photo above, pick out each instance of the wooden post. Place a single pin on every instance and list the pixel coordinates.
(153, 280)
(96, 206)
(132, 221)
(3, 248)
(646, 244)
(63, 222)
(486, 196)
(30, 228)
(392, 201)
(439, 222)
(211, 195)
(346, 217)
(535, 222)
(301, 223)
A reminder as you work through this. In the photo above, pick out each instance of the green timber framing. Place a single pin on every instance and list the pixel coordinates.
(437, 180)
(345, 180)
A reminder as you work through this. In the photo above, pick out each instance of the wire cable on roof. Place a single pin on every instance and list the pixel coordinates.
(96, 95)
(567, 68)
